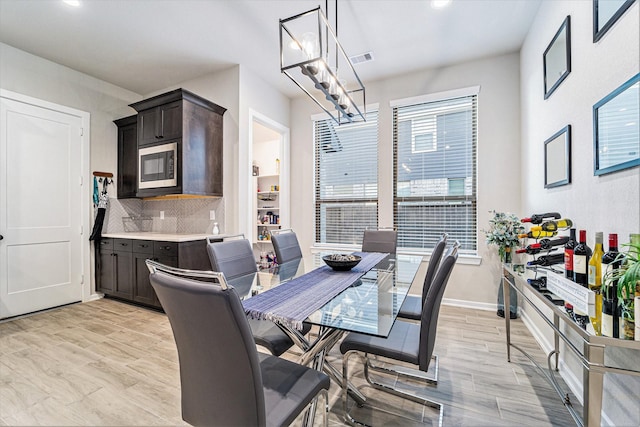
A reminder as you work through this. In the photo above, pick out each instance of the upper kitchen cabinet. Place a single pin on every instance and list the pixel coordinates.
(180, 141)
(161, 123)
(127, 178)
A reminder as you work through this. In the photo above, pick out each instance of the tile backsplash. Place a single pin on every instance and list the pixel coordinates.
(181, 216)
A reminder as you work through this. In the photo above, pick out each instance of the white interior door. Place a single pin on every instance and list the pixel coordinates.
(41, 255)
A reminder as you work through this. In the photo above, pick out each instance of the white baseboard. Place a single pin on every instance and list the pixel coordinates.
(486, 306)
(470, 304)
(94, 297)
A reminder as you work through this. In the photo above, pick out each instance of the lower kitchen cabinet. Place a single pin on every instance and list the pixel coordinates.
(121, 269)
(115, 267)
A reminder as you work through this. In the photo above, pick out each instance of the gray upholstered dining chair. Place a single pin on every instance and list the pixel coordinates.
(380, 240)
(285, 244)
(412, 305)
(408, 342)
(224, 380)
(235, 258)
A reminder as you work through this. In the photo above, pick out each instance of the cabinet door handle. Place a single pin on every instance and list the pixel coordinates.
(144, 246)
(123, 244)
(166, 248)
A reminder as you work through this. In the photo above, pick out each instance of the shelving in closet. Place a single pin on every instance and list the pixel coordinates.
(268, 206)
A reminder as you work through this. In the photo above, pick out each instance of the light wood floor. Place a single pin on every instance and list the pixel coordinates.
(109, 363)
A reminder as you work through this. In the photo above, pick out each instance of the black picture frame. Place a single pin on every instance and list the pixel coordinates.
(600, 28)
(557, 158)
(616, 131)
(556, 59)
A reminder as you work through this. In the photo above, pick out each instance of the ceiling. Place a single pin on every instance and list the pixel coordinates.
(149, 45)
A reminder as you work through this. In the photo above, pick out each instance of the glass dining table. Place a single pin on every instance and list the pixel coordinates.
(368, 305)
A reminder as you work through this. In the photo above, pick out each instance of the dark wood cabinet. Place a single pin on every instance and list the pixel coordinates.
(160, 124)
(127, 178)
(115, 267)
(121, 269)
(195, 124)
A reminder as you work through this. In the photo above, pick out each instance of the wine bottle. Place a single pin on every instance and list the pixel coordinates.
(568, 254)
(568, 263)
(561, 224)
(610, 262)
(546, 260)
(543, 245)
(594, 280)
(581, 255)
(538, 218)
(537, 234)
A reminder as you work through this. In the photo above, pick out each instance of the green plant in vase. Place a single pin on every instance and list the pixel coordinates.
(503, 232)
(628, 277)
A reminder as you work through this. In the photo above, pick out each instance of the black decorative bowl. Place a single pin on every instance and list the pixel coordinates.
(341, 262)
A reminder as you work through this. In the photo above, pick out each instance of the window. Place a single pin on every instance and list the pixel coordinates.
(346, 179)
(434, 149)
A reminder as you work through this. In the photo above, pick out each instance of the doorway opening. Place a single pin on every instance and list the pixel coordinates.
(269, 186)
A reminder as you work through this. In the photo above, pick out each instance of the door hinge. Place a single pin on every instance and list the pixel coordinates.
(81, 131)
(82, 279)
(81, 181)
(81, 230)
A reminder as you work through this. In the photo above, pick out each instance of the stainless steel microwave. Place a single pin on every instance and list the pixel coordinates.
(157, 166)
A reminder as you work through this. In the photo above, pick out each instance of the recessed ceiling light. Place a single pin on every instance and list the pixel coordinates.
(440, 4)
(74, 3)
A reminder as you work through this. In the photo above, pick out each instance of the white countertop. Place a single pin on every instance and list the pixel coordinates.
(161, 236)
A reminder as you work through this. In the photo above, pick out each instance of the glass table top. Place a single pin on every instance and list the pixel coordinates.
(370, 305)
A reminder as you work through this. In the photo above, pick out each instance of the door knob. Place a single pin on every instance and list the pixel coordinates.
(1, 237)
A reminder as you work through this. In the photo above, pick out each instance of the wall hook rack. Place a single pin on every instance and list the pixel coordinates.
(105, 178)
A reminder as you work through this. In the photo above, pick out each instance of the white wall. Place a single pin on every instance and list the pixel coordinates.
(607, 203)
(31, 75)
(498, 157)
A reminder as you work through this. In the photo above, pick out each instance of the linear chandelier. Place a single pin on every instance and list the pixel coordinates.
(312, 57)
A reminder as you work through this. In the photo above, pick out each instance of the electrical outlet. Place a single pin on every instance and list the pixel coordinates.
(161, 214)
(212, 215)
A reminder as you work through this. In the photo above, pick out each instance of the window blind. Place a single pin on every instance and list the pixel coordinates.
(434, 155)
(346, 179)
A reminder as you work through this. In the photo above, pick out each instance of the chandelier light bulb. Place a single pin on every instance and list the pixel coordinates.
(311, 49)
(323, 76)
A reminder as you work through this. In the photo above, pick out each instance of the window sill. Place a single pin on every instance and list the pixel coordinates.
(463, 258)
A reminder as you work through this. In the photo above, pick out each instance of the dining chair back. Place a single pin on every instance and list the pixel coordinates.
(381, 240)
(286, 245)
(224, 380)
(232, 257)
(431, 309)
(412, 306)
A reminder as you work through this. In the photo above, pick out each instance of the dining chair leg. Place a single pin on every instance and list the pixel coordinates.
(311, 408)
(403, 394)
(379, 386)
(408, 372)
(345, 391)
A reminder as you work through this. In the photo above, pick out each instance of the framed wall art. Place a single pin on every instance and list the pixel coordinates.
(556, 59)
(605, 15)
(616, 131)
(557, 159)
